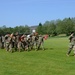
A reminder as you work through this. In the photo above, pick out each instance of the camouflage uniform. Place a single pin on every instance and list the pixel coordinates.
(23, 43)
(30, 43)
(34, 41)
(8, 43)
(13, 41)
(0, 42)
(40, 42)
(16, 46)
(3, 41)
(19, 46)
(72, 45)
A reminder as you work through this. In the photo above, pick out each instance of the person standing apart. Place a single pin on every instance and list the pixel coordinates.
(71, 44)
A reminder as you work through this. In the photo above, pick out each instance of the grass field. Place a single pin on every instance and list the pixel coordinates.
(51, 61)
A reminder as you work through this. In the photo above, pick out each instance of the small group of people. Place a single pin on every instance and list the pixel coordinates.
(18, 42)
(71, 44)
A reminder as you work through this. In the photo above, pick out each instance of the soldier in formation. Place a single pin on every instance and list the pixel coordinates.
(16, 42)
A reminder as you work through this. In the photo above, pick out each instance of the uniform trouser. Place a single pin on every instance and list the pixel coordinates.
(8, 47)
(74, 49)
(13, 44)
(2, 45)
(16, 45)
(24, 45)
(35, 44)
(19, 46)
(41, 44)
(71, 47)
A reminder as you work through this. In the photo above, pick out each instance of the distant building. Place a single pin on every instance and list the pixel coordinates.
(33, 28)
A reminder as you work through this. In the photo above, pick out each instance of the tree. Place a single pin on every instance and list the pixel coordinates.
(39, 29)
(68, 26)
(59, 27)
(53, 29)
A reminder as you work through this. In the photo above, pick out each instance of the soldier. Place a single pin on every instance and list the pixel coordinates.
(29, 42)
(23, 42)
(2, 41)
(8, 43)
(71, 36)
(40, 42)
(17, 40)
(72, 44)
(34, 40)
(19, 44)
(13, 41)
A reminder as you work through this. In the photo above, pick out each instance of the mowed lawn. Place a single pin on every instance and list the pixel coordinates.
(51, 61)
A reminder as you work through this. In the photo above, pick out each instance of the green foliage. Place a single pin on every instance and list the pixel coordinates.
(65, 26)
(68, 26)
(53, 28)
(21, 29)
(39, 28)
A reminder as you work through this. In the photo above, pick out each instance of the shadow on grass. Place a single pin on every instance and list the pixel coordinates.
(72, 55)
(40, 49)
(48, 48)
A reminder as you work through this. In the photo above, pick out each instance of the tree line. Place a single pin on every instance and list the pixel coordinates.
(20, 29)
(56, 27)
(52, 28)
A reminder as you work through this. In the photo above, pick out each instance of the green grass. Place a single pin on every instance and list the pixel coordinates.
(52, 61)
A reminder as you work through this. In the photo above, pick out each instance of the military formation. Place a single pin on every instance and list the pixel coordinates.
(21, 42)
